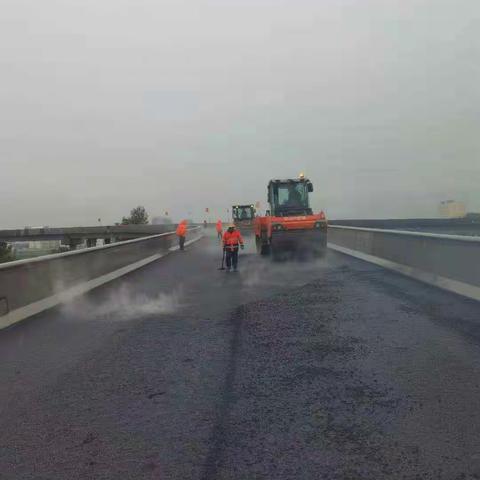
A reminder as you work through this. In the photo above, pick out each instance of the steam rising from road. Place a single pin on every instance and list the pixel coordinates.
(125, 304)
(257, 277)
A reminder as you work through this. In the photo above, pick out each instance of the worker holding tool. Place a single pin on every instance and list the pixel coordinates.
(181, 234)
(219, 228)
(232, 240)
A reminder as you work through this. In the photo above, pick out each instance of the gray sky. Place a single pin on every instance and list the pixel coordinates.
(179, 105)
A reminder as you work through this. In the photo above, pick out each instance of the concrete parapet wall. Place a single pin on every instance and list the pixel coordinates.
(66, 233)
(29, 286)
(451, 262)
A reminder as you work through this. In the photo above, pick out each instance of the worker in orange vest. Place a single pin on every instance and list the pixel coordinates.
(232, 240)
(181, 234)
(219, 228)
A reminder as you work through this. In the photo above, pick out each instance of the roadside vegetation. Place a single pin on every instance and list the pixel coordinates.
(6, 254)
(138, 216)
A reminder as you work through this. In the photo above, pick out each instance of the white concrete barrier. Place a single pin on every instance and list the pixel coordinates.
(451, 262)
(30, 286)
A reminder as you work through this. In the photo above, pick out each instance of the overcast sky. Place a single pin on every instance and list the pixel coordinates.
(180, 105)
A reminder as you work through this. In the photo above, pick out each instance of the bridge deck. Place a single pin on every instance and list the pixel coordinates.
(337, 369)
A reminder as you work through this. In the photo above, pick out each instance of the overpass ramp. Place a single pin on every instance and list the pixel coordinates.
(331, 370)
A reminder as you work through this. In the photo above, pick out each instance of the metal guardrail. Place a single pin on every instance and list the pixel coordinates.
(30, 286)
(451, 262)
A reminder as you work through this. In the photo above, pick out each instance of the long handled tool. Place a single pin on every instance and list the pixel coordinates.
(223, 260)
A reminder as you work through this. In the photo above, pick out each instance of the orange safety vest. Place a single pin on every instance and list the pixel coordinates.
(182, 229)
(219, 226)
(231, 240)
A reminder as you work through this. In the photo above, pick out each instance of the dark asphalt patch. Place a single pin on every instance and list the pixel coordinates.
(293, 392)
(299, 402)
(217, 441)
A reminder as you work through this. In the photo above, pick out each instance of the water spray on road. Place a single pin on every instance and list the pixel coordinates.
(125, 304)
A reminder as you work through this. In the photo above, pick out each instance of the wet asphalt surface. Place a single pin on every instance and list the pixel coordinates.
(335, 369)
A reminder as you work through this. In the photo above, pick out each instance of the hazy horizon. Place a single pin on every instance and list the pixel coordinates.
(181, 105)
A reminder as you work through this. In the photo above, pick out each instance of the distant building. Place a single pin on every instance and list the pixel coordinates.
(452, 209)
(44, 244)
(37, 248)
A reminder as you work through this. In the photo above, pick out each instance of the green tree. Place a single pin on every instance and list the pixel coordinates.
(138, 216)
(6, 254)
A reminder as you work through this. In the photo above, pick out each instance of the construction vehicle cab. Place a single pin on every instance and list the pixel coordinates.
(289, 198)
(243, 215)
(290, 225)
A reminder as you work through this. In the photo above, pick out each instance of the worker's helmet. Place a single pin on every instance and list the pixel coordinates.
(231, 225)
